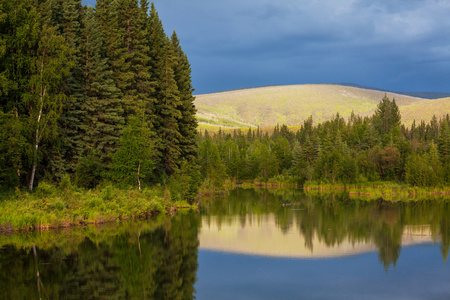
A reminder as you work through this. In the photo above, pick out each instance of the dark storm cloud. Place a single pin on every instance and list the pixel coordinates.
(396, 44)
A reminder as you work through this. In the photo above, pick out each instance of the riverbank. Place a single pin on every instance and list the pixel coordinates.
(51, 207)
(271, 183)
(389, 191)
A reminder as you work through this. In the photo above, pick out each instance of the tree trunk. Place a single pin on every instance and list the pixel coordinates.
(33, 171)
(139, 170)
(43, 89)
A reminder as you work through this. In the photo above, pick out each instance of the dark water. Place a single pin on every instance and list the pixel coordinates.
(252, 244)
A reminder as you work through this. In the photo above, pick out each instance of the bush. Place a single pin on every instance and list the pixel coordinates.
(45, 189)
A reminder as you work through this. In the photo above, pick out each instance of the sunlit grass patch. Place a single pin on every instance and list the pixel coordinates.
(52, 207)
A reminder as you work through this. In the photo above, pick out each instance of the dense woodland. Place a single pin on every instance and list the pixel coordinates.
(354, 150)
(92, 94)
(103, 94)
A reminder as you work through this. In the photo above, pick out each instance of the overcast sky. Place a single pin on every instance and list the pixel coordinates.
(399, 45)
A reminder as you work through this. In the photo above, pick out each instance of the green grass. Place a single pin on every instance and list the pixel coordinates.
(291, 105)
(69, 239)
(51, 207)
(389, 191)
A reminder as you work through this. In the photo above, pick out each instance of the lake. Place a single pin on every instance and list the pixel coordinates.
(250, 244)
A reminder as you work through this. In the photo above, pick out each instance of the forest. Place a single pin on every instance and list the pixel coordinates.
(354, 150)
(94, 95)
(89, 95)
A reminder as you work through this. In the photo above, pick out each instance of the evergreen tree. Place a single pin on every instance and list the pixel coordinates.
(72, 114)
(133, 77)
(444, 148)
(188, 121)
(134, 159)
(432, 129)
(103, 119)
(167, 115)
(387, 116)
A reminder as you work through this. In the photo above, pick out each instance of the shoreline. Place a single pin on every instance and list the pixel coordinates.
(390, 191)
(51, 208)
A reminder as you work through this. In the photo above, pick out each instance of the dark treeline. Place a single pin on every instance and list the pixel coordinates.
(92, 93)
(353, 150)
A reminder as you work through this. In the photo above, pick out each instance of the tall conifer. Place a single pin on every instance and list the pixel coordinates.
(133, 77)
(167, 104)
(166, 95)
(103, 120)
(72, 115)
(188, 122)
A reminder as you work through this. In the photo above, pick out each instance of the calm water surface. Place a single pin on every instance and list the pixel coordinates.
(252, 244)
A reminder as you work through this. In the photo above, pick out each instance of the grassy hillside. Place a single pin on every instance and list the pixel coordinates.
(425, 110)
(290, 105)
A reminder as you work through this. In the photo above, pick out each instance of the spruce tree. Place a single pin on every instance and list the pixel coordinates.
(72, 115)
(166, 113)
(387, 116)
(167, 116)
(188, 121)
(103, 120)
(131, 66)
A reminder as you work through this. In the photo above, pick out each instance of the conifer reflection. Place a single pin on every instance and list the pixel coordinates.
(156, 261)
(334, 219)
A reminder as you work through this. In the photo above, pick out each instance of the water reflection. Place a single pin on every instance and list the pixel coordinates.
(289, 224)
(158, 259)
(151, 260)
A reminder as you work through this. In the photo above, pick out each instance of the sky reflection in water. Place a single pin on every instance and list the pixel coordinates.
(251, 247)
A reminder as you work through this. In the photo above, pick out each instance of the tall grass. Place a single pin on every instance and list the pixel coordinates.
(389, 191)
(52, 207)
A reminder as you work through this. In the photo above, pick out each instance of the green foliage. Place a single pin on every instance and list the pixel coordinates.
(134, 160)
(66, 182)
(148, 260)
(90, 170)
(338, 151)
(387, 116)
(92, 93)
(184, 184)
(49, 206)
(422, 170)
(187, 122)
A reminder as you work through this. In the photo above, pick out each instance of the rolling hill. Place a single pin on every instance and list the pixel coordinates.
(292, 104)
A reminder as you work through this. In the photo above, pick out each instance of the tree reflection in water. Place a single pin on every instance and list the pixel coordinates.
(334, 219)
(151, 260)
(158, 259)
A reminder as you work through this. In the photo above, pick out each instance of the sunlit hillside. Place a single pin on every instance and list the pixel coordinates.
(425, 110)
(291, 105)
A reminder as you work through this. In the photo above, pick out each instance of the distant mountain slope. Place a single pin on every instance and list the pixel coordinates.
(290, 105)
(424, 95)
(425, 110)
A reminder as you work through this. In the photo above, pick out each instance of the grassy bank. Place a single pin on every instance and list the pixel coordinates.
(374, 190)
(51, 207)
(275, 182)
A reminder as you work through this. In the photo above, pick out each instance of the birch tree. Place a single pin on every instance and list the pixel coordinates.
(44, 99)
